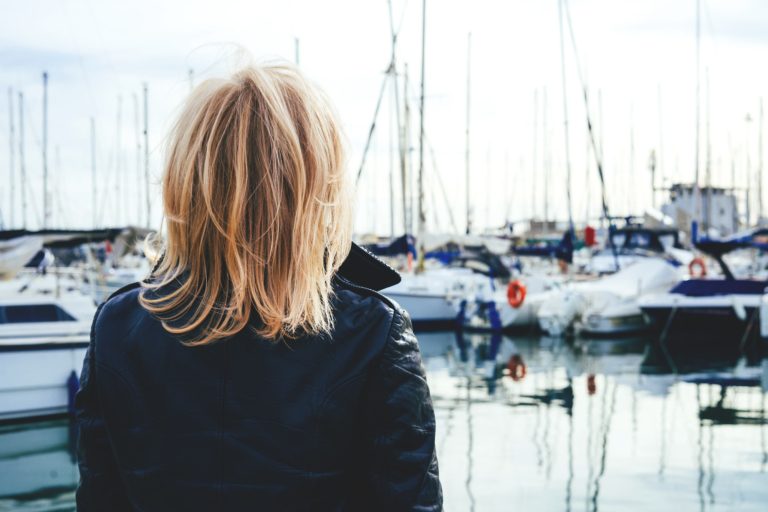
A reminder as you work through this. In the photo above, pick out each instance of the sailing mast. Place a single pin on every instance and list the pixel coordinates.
(535, 161)
(401, 147)
(760, 211)
(22, 164)
(631, 196)
(422, 213)
(466, 151)
(11, 152)
(748, 170)
(697, 192)
(708, 163)
(93, 173)
(46, 212)
(407, 162)
(546, 157)
(146, 154)
(137, 134)
(565, 120)
(118, 158)
(660, 155)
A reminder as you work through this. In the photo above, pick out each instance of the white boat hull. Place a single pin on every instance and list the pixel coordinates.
(34, 375)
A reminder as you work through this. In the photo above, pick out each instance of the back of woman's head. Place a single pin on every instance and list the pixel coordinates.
(257, 210)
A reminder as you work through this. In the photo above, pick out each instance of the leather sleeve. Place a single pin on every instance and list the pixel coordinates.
(403, 472)
(100, 486)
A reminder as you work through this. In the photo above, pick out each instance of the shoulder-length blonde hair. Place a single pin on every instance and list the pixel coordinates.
(257, 208)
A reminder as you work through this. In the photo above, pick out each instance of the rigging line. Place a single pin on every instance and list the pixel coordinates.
(391, 71)
(373, 127)
(595, 148)
(597, 151)
(439, 180)
(402, 18)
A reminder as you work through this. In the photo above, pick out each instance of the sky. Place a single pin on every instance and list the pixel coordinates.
(637, 61)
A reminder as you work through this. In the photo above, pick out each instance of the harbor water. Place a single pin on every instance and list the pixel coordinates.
(538, 424)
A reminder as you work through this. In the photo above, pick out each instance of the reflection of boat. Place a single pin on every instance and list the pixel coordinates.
(38, 461)
(723, 412)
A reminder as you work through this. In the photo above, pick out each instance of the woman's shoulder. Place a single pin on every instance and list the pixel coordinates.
(119, 317)
(120, 303)
(370, 308)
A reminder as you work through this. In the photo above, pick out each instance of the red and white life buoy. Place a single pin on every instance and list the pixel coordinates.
(516, 293)
(697, 267)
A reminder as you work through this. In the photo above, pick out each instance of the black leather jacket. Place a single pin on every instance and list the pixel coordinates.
(318, 424)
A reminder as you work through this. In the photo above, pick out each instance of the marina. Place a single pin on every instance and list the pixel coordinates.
(577, 218)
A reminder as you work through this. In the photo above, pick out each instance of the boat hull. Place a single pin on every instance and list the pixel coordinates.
(705, 324)
(34, 377)
(427, 312)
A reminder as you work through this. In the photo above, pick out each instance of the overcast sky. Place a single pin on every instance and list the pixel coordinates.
(634, 56)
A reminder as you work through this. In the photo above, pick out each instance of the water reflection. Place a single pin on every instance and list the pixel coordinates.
(38, 468)
(541, 424)
(586, 425)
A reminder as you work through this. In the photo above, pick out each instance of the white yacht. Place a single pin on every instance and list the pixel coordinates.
(44, 334)
(607, 306)
(434, 297)
(720, 310)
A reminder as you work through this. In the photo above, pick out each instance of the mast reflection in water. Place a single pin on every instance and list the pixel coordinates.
(543, 424)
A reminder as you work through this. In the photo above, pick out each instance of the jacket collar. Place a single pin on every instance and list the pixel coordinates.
(364, 269)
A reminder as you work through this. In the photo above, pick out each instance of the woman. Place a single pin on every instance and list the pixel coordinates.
(257, 368)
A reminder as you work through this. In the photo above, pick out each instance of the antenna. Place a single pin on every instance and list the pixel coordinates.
(22, 164)
(146, 154)
(46, 212)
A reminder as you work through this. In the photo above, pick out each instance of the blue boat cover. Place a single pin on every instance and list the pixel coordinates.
(715, 287)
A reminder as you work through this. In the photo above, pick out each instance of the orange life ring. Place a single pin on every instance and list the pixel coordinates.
(697, 263)
(517, 368)
(516, 293)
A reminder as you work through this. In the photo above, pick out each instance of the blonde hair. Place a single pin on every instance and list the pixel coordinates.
(257, 207)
